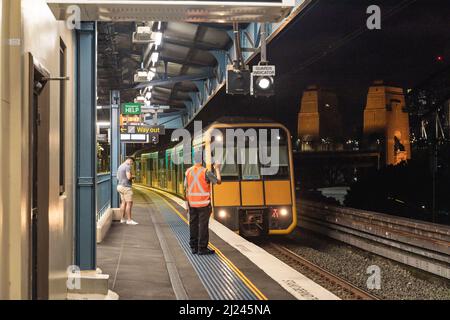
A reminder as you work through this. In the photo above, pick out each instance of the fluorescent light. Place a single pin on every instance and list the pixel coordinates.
(142, 73)
(158, 38)
(150, 75)
(155, 56)
(104, 124)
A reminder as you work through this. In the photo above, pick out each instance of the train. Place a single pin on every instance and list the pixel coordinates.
(250, 201)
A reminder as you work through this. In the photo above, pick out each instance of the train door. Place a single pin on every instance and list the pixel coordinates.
(39, 105)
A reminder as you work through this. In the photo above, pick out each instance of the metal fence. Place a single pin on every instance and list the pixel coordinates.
(103, 194)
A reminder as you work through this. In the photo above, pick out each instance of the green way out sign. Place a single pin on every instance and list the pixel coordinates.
(131, 108)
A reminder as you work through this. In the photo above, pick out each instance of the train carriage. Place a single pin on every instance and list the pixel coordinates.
(248, 201)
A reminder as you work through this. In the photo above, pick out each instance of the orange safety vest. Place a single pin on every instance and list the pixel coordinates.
(198, 189)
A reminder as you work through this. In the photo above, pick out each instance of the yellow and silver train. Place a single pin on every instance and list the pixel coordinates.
(247, 201)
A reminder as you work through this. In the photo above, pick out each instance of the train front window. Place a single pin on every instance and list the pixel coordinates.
(283, 164)
(281, 167)
(250, 165)
(229, 169)
(250, 162)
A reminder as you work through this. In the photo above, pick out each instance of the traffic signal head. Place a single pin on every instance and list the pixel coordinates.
(263, 86)
(238, 81)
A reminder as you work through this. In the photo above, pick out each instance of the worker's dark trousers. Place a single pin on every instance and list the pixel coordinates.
(199, 227)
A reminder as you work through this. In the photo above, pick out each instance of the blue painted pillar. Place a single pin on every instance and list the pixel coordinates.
(115, 145)
(86, 146)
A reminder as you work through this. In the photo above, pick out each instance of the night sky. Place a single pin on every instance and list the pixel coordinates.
(329, 45)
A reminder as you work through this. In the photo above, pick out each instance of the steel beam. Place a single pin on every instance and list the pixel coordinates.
(115, 145)
(86, 147)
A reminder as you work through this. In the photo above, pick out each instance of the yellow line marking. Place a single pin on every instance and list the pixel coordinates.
(246, 281)
(227, 261)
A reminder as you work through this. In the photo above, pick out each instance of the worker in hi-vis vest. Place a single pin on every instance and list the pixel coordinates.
(197, 188)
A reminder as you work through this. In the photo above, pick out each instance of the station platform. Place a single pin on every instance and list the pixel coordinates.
(153, 260)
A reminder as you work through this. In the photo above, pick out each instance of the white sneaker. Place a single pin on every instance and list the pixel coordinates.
(123, 220)
(132, 223)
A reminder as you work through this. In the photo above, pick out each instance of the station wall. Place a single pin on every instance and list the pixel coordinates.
(37, 32)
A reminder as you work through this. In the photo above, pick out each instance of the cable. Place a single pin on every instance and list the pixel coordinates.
(346, 39)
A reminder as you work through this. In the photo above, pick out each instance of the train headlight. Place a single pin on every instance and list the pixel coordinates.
(284, 212)
(222, 214)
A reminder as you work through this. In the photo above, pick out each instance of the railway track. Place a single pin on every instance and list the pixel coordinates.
(340, 287)
(421, 245)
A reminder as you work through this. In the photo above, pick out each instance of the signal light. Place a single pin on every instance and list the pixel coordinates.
(263, 86)
(238, 81)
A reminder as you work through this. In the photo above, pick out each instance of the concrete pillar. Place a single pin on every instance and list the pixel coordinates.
(386, 119)
(308, 117)
(318, 119)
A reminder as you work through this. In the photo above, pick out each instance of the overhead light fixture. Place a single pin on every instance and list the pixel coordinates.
(140, 100)
(143, 34)
(157, 37)
(154, 57)
(263, 74)
(147, 89)
(150, 75)
(238, 81)
(103, 124)
(141, 75)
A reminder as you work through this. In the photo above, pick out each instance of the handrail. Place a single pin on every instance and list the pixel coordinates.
(103, 194)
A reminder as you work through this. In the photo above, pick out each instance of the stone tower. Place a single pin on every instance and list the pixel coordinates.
(386, 122)
(319, 119)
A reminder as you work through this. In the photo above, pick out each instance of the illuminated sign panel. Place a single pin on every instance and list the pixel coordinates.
(174, 10)
(131, 108)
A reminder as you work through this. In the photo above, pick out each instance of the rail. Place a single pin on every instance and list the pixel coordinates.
(103, 194)
(418, 244)
(336, 284)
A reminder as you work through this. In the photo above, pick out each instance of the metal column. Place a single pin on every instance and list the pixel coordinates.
(86, 146)
(115, 145)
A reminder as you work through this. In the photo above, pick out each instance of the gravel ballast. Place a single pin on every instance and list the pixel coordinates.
(397, 282)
